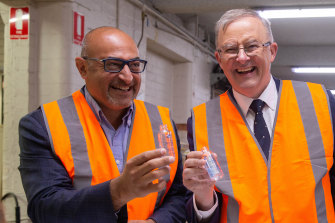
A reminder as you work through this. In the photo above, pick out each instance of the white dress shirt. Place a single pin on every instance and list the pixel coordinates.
(270, 97)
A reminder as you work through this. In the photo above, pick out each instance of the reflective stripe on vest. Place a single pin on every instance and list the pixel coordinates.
(293, 185)
(78, 140)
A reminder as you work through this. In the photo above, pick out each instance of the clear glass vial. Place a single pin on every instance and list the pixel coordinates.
(165, 140)
(213, 168)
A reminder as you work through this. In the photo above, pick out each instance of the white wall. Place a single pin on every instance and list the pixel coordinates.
(160, 79)
(42, 68)
(203, 66)
(54, 33)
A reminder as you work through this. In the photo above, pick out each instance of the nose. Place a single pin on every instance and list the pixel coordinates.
(242, 57)
(126, 75)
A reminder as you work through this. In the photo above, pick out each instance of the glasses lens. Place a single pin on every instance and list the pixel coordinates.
(113, 65)
(251, 49)
(136, 66)
(230, 50)
(116, 65)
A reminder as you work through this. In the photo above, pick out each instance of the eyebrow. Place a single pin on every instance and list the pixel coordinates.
(120, 58)
(252, 41)
(227, 45)
(243, 43)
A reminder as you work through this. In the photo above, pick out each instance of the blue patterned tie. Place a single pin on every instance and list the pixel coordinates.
(260, 129)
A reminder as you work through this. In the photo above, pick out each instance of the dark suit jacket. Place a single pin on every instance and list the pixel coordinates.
(215, 218)
(51, 196)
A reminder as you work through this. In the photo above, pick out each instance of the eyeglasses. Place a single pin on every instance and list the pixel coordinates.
(115, 65)
(250, 49)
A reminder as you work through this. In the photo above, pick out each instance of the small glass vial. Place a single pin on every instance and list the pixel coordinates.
(213, 168)
(165, 140)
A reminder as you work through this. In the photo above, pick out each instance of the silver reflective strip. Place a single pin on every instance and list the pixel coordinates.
(216, 144)
(270, 152)
(129, 136)
(156, 121)
(232, 210)
(82, 167)
(330, 111)
(48, 129)
(315, 144)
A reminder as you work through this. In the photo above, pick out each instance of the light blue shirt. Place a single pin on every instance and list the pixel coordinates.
(117, 139)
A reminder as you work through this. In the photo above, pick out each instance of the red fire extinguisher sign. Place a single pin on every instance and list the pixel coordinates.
(19, 20)
(78, 28)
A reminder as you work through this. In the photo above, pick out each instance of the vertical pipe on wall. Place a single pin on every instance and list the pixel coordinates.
(197, 26)
(117, 13)
(2, 38)
(189, 37)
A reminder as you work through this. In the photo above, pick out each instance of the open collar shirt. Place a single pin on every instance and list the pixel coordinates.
(117, 139)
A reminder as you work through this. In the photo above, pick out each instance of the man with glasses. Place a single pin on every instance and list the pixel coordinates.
(273, 139)
(94, 156)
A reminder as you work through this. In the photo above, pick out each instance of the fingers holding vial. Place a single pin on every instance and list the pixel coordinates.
(201, 170)
(212, 166)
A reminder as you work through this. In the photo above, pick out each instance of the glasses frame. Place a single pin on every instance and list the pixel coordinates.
(266, 44)
(124, 62)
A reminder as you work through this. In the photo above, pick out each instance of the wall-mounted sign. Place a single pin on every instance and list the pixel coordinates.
(78, 27)
(19, 20)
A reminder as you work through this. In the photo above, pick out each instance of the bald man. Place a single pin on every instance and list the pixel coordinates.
(93, 156)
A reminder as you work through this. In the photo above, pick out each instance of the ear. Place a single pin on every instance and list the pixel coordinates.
(82, 67)
(273, 49)
(218, 58)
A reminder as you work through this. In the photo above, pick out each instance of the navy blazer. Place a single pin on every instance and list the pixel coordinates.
(52, 198)
(215, 218)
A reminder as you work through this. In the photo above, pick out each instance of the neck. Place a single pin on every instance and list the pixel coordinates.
(254, 92)
(115, 116)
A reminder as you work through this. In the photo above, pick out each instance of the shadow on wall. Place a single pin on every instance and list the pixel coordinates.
(219, 82)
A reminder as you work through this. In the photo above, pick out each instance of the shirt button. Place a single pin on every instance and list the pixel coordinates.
(117, 161)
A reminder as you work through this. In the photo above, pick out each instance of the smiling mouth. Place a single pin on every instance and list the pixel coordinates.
(246, 70)
(121, 88)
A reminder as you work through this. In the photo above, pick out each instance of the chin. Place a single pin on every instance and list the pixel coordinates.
(120, 104)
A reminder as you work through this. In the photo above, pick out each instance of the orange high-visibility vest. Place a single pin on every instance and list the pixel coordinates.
(293, 185)
(78, 140)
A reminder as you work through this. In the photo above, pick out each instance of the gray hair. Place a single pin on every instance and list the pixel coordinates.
(235, 14)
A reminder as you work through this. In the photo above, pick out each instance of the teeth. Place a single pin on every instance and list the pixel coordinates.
(123, 88)
(245, 70)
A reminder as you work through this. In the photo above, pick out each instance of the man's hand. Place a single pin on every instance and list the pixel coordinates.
(196, 179)
(138, 175)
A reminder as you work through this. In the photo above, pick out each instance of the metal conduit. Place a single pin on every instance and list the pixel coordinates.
(189, 37)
